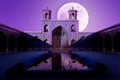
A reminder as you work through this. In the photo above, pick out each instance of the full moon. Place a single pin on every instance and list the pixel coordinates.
(82, 14)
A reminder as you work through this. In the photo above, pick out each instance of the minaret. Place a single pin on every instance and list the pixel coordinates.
(72, 14)
(46, 14)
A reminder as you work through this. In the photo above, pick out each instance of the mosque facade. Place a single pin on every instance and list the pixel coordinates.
(59, 33)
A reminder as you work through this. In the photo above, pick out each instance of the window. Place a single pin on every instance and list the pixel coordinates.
(46, 15)
(72, 28)
(73, 14)
(46, 28)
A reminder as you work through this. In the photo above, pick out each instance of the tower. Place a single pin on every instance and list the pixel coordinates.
(46, 14)
(72, 14)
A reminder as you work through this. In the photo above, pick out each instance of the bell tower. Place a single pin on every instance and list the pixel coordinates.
(47, 14)
(72, 14)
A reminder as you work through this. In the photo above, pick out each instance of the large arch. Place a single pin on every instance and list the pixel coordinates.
(108, 43)
(59, 39)
(11, 43)
(116, 41)
(3, 42)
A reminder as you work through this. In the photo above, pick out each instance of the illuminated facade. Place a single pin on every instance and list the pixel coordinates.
(59, 33)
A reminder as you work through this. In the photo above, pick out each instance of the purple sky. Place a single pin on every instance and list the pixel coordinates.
(26, 15)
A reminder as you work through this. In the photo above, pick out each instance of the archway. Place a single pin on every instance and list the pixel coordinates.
(59, 39)
(73, 28)
(25, 42)
(94, 43)
(116, 41)
(3, 42)
(19, 43)
(11, 43)
(46, 28)
(46, 15)
(100, 43)
(108, 43)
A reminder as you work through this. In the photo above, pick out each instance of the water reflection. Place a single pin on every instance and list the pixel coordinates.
(60, 61)
(71, 64)
(45, 65)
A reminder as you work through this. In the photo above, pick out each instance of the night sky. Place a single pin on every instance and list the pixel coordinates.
(26, 15)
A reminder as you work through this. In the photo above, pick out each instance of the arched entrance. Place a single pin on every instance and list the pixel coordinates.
(11, 43)
(108, 43)
(100, 43)
(59, 39)
(19, 43)
(25, 43)
(94, 43)
(3, 42)
(116, 41)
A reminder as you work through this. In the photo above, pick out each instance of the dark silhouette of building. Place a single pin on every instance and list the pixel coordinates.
(103, 40)
(14, 40)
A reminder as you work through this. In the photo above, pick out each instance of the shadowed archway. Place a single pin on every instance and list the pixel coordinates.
(100, 43)
(19, 43)
(108, 43)
(116, 41)
(59, 39)
(11, 43)
(3, 42)
(25, 43)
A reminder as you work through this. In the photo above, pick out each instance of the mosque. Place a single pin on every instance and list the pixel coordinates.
(60, 33)
(97, 51)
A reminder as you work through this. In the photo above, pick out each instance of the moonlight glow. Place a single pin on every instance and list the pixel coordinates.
(82, 14)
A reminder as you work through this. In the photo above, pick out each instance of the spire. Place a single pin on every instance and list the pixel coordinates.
(46, 14)
(72, 14)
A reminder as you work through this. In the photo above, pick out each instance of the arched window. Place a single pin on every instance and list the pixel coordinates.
(73, 14)
(49, 15)
(73, 28)
(46, 15)
(46, 28)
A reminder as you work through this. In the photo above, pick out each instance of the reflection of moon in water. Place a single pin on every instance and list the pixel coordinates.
(82, 14)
